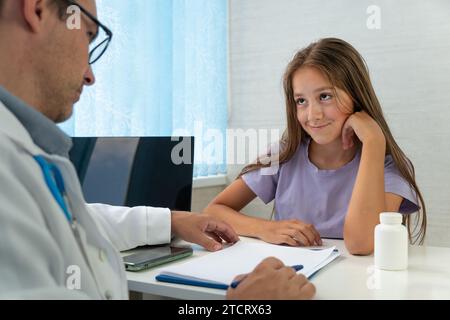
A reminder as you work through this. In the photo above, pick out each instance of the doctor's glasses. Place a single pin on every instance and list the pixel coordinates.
(100, 41)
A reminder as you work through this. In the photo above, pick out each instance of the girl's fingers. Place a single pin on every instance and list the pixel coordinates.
(347, 138)
(289, 240)
(304, 233)
(317, 238)
(288, 236)
(300, 238)
(344, 137)
(309, 234)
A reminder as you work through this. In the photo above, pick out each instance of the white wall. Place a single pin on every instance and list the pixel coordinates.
(201, 197)
(409, 61)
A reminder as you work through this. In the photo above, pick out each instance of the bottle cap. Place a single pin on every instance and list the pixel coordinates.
(391, 218)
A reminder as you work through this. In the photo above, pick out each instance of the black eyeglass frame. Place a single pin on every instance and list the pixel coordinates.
(99, 24)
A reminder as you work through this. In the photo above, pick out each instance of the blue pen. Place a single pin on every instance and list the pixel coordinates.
(297, 267)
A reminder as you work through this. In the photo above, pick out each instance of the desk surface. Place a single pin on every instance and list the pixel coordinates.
(348, 277)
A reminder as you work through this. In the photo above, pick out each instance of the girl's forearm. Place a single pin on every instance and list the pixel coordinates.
(241, 223)
(368, 199)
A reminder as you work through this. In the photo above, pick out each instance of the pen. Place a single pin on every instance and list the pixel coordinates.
(234, 284)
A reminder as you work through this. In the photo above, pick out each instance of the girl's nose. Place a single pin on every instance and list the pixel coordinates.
(315, 112)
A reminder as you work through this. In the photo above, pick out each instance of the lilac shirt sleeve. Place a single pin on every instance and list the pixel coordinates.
(395, 183)
(264, 185)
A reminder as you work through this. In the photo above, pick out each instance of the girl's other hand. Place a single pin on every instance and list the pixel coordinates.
(364, 127)
(291, 232)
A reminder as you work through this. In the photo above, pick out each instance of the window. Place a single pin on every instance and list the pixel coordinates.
(165, 73)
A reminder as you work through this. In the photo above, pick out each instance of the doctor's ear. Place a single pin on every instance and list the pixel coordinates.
(33, 12)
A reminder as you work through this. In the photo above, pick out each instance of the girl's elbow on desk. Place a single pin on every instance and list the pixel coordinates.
(359, 235)
(358, 245)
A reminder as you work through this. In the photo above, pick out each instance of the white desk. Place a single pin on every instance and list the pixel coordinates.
(348, 277)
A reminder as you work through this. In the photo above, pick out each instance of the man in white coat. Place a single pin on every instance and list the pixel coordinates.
(46, 228)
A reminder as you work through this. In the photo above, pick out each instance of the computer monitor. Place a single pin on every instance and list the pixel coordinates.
(134, 171)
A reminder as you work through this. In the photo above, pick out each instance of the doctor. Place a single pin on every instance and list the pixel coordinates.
(47, 232)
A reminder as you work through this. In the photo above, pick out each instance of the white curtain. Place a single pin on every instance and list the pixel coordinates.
(164, 73)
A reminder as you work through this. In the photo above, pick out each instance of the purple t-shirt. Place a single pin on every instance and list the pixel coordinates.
(321, 197)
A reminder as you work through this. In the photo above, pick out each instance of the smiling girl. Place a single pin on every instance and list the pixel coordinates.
(340, 166)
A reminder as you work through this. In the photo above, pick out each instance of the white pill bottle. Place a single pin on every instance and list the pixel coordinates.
(391, 242)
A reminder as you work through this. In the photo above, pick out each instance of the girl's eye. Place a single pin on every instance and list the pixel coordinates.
(300, 101)
(325, 96)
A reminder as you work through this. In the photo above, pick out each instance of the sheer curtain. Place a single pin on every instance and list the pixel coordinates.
(165, 73)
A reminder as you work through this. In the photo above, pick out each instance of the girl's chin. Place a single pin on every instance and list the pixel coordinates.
(324, 140)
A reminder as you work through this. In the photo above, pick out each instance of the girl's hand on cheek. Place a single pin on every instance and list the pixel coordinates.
(365, 129)
(348, 135)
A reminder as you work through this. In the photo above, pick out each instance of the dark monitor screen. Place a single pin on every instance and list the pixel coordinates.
(134, 171)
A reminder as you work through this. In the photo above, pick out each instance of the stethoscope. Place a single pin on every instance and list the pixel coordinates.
(55, 182)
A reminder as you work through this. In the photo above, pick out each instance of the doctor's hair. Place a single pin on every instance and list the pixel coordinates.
(60, 4)
(346, 69)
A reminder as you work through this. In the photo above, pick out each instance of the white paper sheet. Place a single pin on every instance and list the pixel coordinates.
(223, 266)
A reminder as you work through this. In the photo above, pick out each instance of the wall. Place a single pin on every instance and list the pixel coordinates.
(409, 64)
(201, 197)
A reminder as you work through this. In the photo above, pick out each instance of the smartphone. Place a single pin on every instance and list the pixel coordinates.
(152, 257)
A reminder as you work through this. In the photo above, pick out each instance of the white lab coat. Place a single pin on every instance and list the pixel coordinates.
(40, 254)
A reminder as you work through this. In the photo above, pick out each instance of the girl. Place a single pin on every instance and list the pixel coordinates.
(339, 163)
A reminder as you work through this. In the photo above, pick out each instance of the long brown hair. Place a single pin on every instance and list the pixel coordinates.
(346, 69)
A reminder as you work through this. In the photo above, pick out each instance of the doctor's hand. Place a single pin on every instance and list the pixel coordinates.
(272, 280)
(202, 229)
